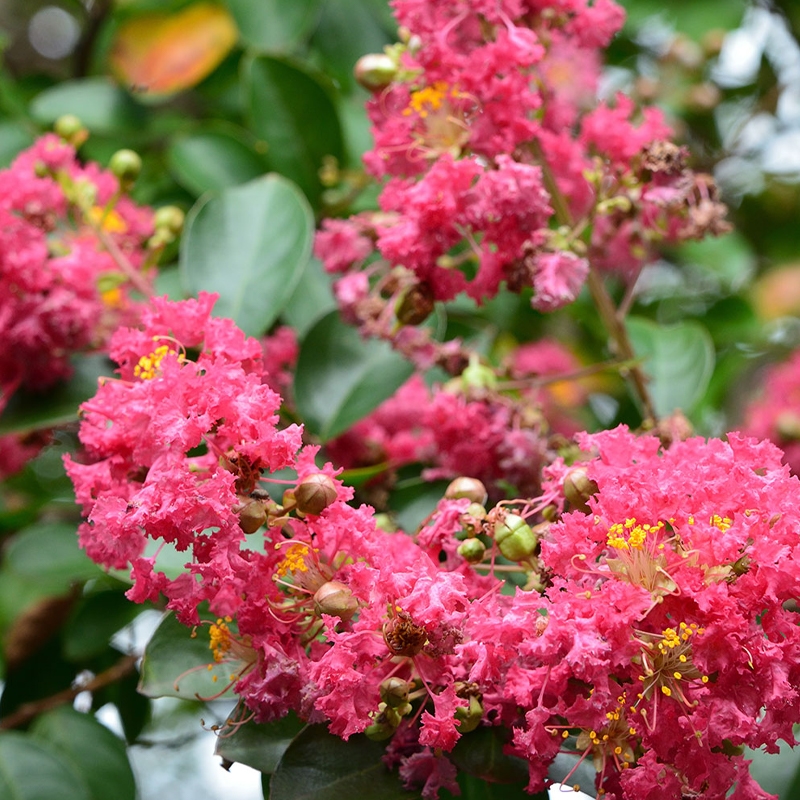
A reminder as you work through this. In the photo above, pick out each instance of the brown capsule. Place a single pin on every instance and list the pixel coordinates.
(415, 304)
(403, 636)
(252, 515)
(315, 493)
(336, 599)
(578, 488)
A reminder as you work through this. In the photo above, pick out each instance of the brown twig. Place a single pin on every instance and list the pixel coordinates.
(28, 711)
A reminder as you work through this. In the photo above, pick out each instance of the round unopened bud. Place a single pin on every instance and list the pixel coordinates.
(315, 493)
(471, 488)
(472, 550)
(126, 166)
(515, 538)
(478, 376)
(578, 488)
(469, 717)
(252, 516)
(71, 130)
(375, 71)
(169, 218)
(415, 304)
(336, 599)
(380, 730)
(394, 692)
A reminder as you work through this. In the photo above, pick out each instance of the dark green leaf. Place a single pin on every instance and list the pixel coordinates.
(480, 754)
(678, 359)
(292, 109)
(250, 244)
(33, 770)
(212, 160)
(97, 619)
(273, 24)
(312, 298)
(413, 499)
(259, 746)
(99, 103)
(320, 766)
(176, 665)
(476, 789)
(341, 377)
(13, 138)
(28, 412)
(94, 752)
(49, 551)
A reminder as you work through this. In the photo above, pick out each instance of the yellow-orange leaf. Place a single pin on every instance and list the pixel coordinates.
(160, 54)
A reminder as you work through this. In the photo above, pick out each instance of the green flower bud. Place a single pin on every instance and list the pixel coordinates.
(515, 538)
(380, 731)
(467, 487)
(315, 493)
(126, 166)
(336, 599)
(71, 130)
(478, 376)
(394, 692)
(375, 71)
(169, 218)
(469, 716)
(472, 550)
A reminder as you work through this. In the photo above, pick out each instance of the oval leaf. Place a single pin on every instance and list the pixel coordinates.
(177, 665)
(480, 754)
(31, 770)
(678, 359)
(93, 751)
(274, 24)
(259, 746)
(101, 106)
(250, 244)
(159, 54)
(341, 377)
(320, 766)
(293, 110)
(212, 160)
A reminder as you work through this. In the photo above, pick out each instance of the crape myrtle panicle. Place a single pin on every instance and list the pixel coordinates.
(499, 164)
(651, 633)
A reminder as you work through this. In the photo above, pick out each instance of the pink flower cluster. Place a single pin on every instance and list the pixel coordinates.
(61, 290)
(655, 633)
(487, 130)
(775, 414)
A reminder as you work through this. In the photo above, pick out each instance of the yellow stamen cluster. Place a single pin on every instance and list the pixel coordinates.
(149, 366)
(219, 635)
(723, 523)
(108, 219)
(294, 560)
(431, 98)
(623, 536)
(613, 741)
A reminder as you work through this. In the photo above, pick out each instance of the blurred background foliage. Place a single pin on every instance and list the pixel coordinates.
(214, 95)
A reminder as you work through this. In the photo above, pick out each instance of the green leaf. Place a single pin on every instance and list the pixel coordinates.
(413, 499)
(92, 749)
(320, 766)
(28, 412)
(476, 789)
(32, 770)
(176, 665)
(678, 359)
(341, 377)
(49, 552)
(274, 24)
(480, 754)
(250, 244)
(293, 110)
(312, 298)
(98, 617)
(692, 17)
(98, 102)
(211, 160)
(259, 746)
(13, 138)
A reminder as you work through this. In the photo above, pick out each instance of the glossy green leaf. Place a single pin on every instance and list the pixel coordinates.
(211, 160)
(692, 17)
(98, 617)
(92, 749)
(311, 299)
(33, 770)
(49, 551)
(413, 499)
(98, 102)
(273, 24)
(476, 789)
(176, 665)
(259, 746)
(678, 359)
(293, 110)
(250, 244)
(28, 412)
(480, 754)
(320, 766)
(341, 377)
